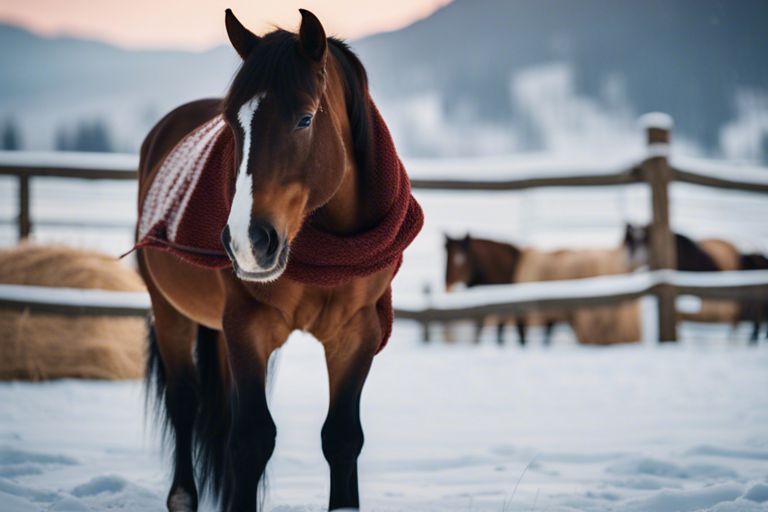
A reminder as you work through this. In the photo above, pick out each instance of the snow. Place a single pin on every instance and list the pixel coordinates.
(73, 297)
(448, 428)
(658, 120)
(69, 159)
(602, 286)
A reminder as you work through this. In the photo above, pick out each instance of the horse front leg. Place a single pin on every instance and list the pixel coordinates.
(349, 358)
(251, 336)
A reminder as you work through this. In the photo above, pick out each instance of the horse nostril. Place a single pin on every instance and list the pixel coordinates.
(225, 237)
(264, 238)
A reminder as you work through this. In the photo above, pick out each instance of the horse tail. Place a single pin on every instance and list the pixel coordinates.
(213, 420)
(155, 383)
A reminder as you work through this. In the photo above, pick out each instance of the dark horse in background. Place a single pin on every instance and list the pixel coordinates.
(299, 112)
(710, 255)
(475, 262)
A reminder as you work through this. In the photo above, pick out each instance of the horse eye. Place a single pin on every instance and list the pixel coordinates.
(304, 122)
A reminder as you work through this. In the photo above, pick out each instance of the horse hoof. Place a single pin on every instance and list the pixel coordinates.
(181, 501)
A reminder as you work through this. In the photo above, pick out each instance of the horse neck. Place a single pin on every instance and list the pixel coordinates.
(494, 263)
(343, 214)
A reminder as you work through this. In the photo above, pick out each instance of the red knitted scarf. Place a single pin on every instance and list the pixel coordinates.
(187, 207)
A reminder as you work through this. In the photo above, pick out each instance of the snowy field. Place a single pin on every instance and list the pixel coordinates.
(448, 428)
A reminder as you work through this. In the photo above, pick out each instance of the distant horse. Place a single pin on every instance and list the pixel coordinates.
(473, 261)
(282, 206)
(42, 346)
(691, 256)
(708, 255)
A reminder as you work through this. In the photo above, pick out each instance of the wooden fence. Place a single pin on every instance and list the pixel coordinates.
(654, 170)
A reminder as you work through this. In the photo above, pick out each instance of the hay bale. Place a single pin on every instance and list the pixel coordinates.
(46, 346)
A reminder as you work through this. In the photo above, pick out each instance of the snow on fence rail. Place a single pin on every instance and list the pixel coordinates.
(654, 169)
(466, 304)
(73, 301)
(521, 298)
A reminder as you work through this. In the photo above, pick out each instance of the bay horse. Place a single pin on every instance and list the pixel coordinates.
(306, 201)
(475, 261)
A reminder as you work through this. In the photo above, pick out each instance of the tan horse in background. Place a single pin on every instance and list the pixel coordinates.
(602, 325)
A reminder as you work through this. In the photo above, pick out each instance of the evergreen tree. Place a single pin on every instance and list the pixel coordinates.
(10, 138)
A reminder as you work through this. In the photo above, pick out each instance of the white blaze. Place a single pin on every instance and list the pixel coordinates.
(240, 214)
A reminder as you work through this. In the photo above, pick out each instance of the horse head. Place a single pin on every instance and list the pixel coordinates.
(636, 240)
(286, 110)
(458, 264)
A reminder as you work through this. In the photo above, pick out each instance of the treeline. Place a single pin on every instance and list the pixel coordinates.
(84, 136)
(92, 135)
(10, 136)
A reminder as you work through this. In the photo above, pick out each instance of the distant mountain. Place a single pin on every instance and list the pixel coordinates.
(476, 77)
(693, 59)
(46, 83)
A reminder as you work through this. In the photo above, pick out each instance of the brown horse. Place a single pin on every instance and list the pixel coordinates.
(474, 262)
(302, 160)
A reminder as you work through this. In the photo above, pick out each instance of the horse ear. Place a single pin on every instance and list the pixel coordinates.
(242, 39)
(312, 37)
(465, 241)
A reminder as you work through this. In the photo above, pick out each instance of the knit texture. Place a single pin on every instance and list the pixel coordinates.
(187, 206)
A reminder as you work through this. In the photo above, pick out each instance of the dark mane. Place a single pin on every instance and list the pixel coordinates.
(691, 257)
(276, 65)
(356, 94)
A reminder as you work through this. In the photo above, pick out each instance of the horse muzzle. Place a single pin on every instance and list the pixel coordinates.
(264, 255)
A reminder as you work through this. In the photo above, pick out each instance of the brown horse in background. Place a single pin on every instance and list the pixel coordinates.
(475, 261)
(299, 112)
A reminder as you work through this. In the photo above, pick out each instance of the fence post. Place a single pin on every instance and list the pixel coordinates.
(427, 290)
(663, 254)
(24, 222)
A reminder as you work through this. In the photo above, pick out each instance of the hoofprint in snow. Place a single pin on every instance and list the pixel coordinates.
(448, 428)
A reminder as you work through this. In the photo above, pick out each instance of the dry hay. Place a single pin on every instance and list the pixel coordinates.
(37, 346)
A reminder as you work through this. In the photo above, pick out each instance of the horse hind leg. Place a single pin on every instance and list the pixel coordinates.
(171, 371)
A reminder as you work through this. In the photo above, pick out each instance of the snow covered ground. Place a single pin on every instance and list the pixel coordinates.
(448, 428)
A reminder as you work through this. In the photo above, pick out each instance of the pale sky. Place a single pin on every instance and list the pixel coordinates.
(199, 24)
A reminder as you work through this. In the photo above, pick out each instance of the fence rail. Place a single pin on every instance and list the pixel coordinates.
(475, 304)
(654, 170)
